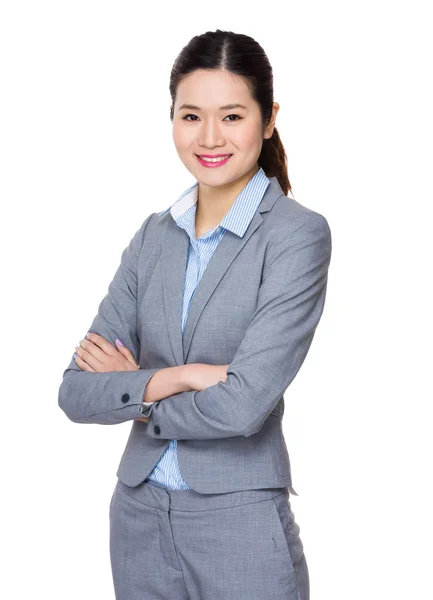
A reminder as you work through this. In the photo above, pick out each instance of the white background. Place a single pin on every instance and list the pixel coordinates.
(85, 141)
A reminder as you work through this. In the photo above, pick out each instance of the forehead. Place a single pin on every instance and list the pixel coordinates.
(213, 88)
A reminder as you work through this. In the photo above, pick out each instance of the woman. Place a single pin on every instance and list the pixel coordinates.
(218, 298)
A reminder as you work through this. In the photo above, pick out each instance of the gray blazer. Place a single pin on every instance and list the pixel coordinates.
(256, 308)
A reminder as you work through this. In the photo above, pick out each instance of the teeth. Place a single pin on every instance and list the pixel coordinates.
(214, 159)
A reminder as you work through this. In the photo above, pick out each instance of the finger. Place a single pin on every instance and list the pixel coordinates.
(90, 360)
(94, 350)
(144, 419)
(82, 364)
(102, 343)
(126, 352)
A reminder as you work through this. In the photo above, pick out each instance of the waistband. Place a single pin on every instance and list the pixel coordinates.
(189, 500)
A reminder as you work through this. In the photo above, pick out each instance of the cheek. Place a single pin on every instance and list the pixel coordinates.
(181, 138)
(177, 139)
(184, 149)
(249, 140)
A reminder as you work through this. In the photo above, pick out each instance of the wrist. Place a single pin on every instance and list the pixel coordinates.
(186, 377)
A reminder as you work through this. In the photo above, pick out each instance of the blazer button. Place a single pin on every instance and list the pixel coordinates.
(125, 397)
(157, 429)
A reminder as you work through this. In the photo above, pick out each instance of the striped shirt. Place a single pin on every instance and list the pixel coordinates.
(166, 472)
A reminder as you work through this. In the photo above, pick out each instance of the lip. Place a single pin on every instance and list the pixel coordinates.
(214, 155)
(213, 165)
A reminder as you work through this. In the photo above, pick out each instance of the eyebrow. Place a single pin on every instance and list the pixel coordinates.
(226, 107)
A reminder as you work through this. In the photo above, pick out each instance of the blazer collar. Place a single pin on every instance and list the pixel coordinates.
(237, 218)
(174, 253)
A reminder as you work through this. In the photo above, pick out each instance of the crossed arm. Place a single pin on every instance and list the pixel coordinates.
(96, 355)
(289, 307)
(113, 389)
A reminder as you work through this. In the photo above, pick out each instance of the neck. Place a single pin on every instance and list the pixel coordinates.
(213, 203)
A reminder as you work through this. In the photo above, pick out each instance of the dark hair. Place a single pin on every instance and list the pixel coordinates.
(243, 56)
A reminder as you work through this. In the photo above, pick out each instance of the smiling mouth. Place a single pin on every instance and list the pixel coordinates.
(213, 155)
(214, 160)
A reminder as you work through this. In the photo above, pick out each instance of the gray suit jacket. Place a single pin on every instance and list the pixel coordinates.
(256, 308)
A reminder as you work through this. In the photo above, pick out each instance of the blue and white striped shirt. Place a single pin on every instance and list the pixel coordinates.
(166, 472)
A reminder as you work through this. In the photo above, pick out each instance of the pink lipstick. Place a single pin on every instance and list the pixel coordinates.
(212, 165)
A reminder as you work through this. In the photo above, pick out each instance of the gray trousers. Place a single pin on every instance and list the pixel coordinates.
(183, 545)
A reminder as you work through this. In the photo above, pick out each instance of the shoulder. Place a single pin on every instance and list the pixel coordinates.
(159, 219)
(289, 217)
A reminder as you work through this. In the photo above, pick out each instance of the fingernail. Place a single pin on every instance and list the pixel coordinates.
(119, 342)
(75, 355)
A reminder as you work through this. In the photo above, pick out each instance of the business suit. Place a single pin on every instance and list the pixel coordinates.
(229, 436)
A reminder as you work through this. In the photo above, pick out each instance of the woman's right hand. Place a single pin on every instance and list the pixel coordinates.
(202, 376)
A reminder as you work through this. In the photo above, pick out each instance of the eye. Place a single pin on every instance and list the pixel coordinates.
(233, 115)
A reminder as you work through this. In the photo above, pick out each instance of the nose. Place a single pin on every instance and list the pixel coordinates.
(210, 134)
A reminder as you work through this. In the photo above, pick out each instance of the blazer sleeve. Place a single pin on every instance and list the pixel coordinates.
(111, 397)
(290, 303)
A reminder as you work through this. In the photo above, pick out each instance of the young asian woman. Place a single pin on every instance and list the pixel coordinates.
(206, 322)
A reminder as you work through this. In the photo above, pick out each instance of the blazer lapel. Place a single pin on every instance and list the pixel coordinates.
(174, 255)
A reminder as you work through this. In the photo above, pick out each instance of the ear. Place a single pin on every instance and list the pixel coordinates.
(271, 125)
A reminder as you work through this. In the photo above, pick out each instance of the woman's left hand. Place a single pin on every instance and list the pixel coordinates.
(96, 355)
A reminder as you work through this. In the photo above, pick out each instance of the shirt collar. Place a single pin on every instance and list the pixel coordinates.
(240, 214)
